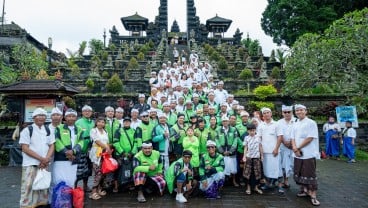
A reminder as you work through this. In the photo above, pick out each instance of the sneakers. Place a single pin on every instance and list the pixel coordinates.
(352, 161)
(180, 198)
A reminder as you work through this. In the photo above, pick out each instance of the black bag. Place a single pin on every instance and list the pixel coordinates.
(126, 170)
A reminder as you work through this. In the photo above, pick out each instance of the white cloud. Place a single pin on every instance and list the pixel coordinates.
(69, 22)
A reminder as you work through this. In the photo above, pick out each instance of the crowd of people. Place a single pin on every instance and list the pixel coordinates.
(189, 135)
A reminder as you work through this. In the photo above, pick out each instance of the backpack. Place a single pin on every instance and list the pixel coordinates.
(30, 129)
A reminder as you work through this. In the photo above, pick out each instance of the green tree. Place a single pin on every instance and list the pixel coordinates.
(82, 48)
(251, 45)
(334, 62)
(96, 46)
(90, 84)
(114, 84)
(246, 74)
(286, 20)
(133, 63)
(27, 58)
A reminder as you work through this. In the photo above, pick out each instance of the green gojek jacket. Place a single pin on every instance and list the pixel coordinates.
(227, 142)
(143, 133)
(158, 136)
(141, 163)
(181, 131)
(171, 118)
(86, 125)
(124, 142)
(242, 129)
(192, 144)
(173, 171)
(111, 129)
(203, 135)
(216, 163)
(63, 141)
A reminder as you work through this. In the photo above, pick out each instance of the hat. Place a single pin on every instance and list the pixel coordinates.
(224, 118)
(127, 119)
(220, 83)
(70, 112)
(146, 144)
(188, 102)
(56, 111)
(240, 107)
(264, 109)
(230, 95)
(235, 102)
(152, 110)
(211, 93)
(144, 113)
(161, 115)
(141, 95)
(299, 106)
(211, 107)
(187, 153)
(38, 112)
(244, 113)
(119, 109)
(87, 108)
(109, 108)
(210, 143)
(195, 95)
(224, 104)
(134, 110)
(153, 72)
(165, 104)
(286, 108)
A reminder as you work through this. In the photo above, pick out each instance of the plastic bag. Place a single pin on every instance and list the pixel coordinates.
(126, 170)
(62, 196)
(78, 197)
(109, 164)
(42, 180)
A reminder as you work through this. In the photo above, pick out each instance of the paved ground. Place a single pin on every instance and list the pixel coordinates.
(340, 185)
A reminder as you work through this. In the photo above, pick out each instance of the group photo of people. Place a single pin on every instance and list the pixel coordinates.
(188, 137)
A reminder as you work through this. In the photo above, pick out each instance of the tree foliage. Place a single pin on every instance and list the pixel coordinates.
(27, 58)
(96, 46)
(333, 62)
(114, 84)
(286, 20)
(251, 45)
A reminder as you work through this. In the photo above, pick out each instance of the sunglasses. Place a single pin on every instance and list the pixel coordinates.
(286, 111)
(187, 156)
(210, 147)
(145, 116)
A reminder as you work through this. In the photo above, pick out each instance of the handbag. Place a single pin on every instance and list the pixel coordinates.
(109, 164)
(78, 197)
(42, 180)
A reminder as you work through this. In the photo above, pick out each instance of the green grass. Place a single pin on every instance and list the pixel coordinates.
(361, 155)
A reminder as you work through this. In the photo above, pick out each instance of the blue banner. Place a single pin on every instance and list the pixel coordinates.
(347, 113)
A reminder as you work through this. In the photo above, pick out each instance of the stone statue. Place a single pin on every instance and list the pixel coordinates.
(192, 34)
(163, 34)
(109, 63)
(263, 73)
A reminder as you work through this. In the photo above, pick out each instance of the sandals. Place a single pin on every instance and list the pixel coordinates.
(302, 194)
(258, 191)
(248, 192)
(315, 202)
(94, 196)
(115, 190)
(102, 193)
(286, 186)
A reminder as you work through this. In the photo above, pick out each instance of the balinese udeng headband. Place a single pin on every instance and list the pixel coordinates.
(145, 145)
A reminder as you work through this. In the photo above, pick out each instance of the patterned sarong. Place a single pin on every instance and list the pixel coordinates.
(305, 173)
(140, 179)
(254, 163)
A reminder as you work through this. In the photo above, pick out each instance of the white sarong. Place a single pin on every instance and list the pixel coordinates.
(64, 171)
(271, 165)
(230, 165)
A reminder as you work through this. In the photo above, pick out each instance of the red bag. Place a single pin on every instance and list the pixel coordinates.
(323, 155)
(78, 197)
(109, 164)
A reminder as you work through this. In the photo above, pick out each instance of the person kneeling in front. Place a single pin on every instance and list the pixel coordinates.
(211, 172)
(148, 170)
(180, 175)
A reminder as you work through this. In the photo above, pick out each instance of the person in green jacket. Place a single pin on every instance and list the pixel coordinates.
(188, 112)
(163, 137)
(212, 128)
(171, 116)
(68, 146)
(191, 143)
(202, 133)
(84, 164)
(211, 171)
(143, 132)
(111, 123)
(227, 143)
(125, 147)
(180, 128)
(180, 175)
(147, 166)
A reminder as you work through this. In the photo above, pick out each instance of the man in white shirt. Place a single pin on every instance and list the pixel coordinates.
(220, 93)
(304, 140)
(286, 154)
(270, 135)
(37, 151)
